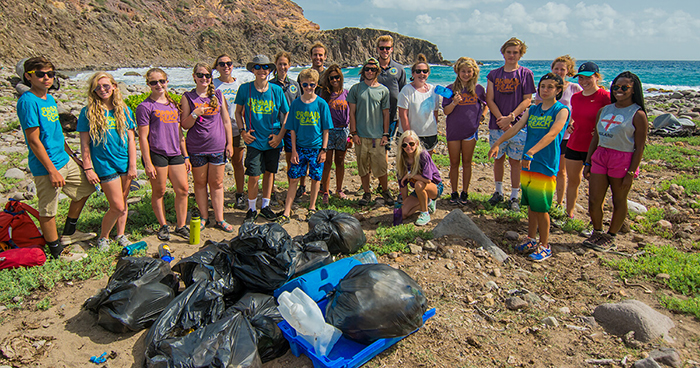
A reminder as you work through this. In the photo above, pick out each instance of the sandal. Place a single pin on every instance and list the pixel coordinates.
(225, 226)
(203, 223)
(342, 195)
(311, 212)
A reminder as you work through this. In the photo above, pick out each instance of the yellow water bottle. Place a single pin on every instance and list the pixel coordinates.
(195, 223)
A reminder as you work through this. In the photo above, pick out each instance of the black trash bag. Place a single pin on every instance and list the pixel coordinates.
(341, 232)
(137, 292)
(212, 263)
(261, 310)
(264, 256)
(376, 301)
(310, 256)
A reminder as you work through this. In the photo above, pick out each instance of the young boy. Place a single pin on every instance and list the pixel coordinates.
(508, 94)
(258, 108)
(544, 124)
(50, 157)
(309, 122)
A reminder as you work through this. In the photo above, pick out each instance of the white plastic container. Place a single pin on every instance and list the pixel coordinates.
(304, 315)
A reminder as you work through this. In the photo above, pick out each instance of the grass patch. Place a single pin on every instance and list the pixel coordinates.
(500, 211)
(481, 152)
(647, 223)
(44, 304)
(574, 226)
(690, 183)
(340, 205)
(395, 239)
(683, 158)
(11, 126)
(441, 160)
(684, 269)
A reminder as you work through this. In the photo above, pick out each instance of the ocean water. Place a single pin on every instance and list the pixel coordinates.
(659, 74)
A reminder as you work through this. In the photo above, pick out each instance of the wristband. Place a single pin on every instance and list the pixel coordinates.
(187, 157)
(89, 168)
(586, 164)
(527, 157)
(385, 135)
(324, 149)
(631, 173)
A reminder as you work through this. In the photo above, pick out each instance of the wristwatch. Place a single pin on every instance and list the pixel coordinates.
(324, 149)
(194, 115)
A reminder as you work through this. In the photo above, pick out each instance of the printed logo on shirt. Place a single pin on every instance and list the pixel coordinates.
(167, 116)
(207, 109)
(393, 71)
(229, 92)
(340, 105)
(50, 113)
(263, 107)
(539, 122)
(506, 85)
(611, 120)
(468, 99)
(292, 88)
(111, 122)
(308, 118)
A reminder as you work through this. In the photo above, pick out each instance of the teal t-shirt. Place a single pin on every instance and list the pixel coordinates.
(309, 121)
(369, 105)
(111, 155)
(261, 112)
(32, 112)
(539, 122)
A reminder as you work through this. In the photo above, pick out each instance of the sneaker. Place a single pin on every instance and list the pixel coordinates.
(56, 250)
(592, 239)
(495, 199)
(77, 236)
(423, 219)
(268, 214)
(399, 199)
(183, 232)
(282, 219)
(454, 199)
(528, 246)
(123, 241)
(605, 243)
(366, 198)
(541, 254)
(388, 198)
(163, 233)
(464, 198)
(300, 192)
(325, 198)
(240, 201)
(431, 205)
(103, 244)
(251, 215)
(514, 205)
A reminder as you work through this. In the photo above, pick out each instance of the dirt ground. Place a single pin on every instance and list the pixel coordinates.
(472, 327)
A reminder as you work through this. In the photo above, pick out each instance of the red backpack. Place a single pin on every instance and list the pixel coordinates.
(21, 242)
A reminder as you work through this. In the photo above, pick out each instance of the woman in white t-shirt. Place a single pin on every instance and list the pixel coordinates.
(418, 105)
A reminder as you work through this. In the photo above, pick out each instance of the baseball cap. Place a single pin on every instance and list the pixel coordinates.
(587, 69)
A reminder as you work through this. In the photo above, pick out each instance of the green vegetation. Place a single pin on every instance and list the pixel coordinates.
(647, 223)
(44, 304)
(684, 269)
(690, 183)
(574, 226)
(679, 157)
(395, 239)
(134, 100)
(501, 211)
(340, 205)
(11, 126)
(441, 160)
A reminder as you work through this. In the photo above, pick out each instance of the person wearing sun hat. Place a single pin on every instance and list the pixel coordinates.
(261, 112)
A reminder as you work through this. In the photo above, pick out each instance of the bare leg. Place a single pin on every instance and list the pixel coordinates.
(158, 186)
(238, 169)
(253, 187)
(365, 183)
(48, 228)
(454, 149)
(575, 170)
(115, 196)
(315, 185)
(268, 181)
(291, 192)
(339, 170)
(178, 177)
(532, 223)
(121, 221)
(514, 173)
(216, 189)
(467, 156)
(201, 194)
(543, 226)
(597, 187)
(619, 197)
(327, 165)
(561, 180)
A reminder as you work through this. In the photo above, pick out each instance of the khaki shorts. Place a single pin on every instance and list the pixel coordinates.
(371, 158)
(77, 187)
(238, 142)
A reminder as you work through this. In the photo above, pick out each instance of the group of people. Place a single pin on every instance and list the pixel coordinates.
(572, 130)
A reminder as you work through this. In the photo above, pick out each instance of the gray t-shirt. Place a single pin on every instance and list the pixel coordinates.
(394, 78)
(616, 127)
(369, 105)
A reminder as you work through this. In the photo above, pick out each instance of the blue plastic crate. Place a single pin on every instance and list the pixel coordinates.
(346, 353)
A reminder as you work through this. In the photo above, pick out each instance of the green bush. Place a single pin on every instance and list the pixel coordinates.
(134, 100)
(395, 239)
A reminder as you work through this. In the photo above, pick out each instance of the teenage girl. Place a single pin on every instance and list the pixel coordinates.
(464, 111)
(333, 92)
(209, 143)
(106, 127)
(163, 151)
(418, 104)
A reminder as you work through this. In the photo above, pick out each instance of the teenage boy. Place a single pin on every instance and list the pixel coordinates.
(50, 157)
(309, 122)
(258, 108)
(391, 75)
(369, 127)
(508, 94)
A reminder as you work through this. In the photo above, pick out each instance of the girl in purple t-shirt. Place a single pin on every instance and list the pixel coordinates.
(209, 143)
(162, 150)
(464, 110)
(333, 92)
(416, 168)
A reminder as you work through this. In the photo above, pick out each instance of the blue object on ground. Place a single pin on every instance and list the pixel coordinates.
(99, 360)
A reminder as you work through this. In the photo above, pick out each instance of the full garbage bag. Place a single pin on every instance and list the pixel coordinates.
(342, 232)
(136, 293)
(263, 315)
(376, 301)
(309, 255)
(214, 262)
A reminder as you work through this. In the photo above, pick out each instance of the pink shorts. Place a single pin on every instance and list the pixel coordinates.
(610, 162)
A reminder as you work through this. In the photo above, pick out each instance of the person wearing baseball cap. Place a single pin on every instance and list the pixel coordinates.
(587, 69)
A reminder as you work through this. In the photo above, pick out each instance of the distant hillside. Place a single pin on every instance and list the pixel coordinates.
(78, 34)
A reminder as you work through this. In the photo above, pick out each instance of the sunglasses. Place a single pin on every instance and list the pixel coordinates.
(368, 69)
(312, 85)
(263, 67)
(615, 87)
(412, 144)
(103, 87)
(384, 48)
(155, 82)
(334, 77)
(40, 74)
(203, 75)
(421, 71)
(225, 63)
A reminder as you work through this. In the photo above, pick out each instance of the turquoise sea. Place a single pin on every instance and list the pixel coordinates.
(660, 74)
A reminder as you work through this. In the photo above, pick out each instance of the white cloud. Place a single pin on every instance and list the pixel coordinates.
(381, 23)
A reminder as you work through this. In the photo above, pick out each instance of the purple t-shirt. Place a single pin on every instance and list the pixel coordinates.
(509, 88)
(464, 120)
(340, 113)
(163, 126)
(428, 170)
(208, 135)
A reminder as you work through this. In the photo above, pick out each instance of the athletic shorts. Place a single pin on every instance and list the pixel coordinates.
(562, 146)
(159, 160)
(77, 187)
(610, 162)
(371, 157)
(513, 147)
(429, 142)
(575, 155)
(308, 157)
(538, 190)
(287, 142)
(208, 158)
(238, 142)
(259, 162)
(338, 139)
(110, 177)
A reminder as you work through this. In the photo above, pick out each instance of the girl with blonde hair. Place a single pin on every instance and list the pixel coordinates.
(416, 168)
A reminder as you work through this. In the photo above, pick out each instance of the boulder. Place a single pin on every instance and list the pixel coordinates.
(632, 315)
(457, 223)
(646, 363)
(14, 173)
(666, 356)
(636, 208)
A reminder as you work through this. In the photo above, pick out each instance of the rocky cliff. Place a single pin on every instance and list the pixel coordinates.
(78, 34)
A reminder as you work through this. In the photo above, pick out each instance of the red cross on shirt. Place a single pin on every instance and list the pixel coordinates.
(610, 122)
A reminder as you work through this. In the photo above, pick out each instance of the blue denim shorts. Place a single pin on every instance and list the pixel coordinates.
(110, 177)
(513, 147)
(308, 157)
(440, 188)
(208, 158)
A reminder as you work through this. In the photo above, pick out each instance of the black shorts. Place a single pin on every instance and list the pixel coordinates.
(575, 155)
(429, 142)
(562, 146)
(259, 162)
(159, 160)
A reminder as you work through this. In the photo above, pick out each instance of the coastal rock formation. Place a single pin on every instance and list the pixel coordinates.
(80, 34)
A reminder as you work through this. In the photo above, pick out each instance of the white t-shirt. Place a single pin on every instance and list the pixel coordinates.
(421, 107)
(229, 91)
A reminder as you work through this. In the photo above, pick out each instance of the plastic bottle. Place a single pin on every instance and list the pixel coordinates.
(164, 253)
(304, 315)
(444, 92)
(367, 257)
(195, 223)
(133, 248)
(398, 214)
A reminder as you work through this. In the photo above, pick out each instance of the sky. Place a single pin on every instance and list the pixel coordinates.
(594, 30)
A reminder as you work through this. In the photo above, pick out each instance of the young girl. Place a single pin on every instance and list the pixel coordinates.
(209, 143)
(416, 168)
(418, 105)
(545, 123)
(228, 85)
(464, 111)
(614, 156)
(107, 141)
(163, 151)
(333, 92)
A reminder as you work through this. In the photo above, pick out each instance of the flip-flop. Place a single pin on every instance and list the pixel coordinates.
(225, 226)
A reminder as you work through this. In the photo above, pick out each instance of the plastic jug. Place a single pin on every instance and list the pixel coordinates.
(304, 315)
